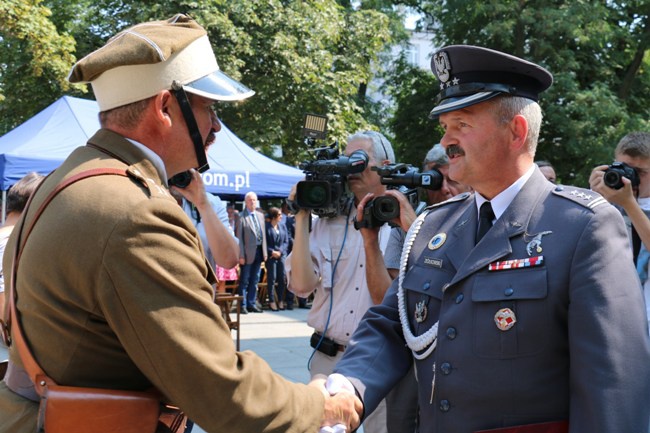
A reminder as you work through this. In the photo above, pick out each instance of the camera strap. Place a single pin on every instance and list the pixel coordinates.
(363, 224)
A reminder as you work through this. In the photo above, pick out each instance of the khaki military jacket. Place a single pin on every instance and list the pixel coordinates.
(114, 291)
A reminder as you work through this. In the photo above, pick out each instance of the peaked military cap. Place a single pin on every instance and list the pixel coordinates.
(469, 75)
(142, 60)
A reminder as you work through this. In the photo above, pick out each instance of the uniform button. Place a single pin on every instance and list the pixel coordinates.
(451, 333)
(426, 286)
(445, 368)
(444, 405)
(509, 291)
(460, 298)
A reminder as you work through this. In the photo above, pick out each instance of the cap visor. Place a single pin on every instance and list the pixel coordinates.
(220, 87)
(453, 104)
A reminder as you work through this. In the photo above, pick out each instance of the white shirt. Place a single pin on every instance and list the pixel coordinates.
(502, 200)
(330, 245)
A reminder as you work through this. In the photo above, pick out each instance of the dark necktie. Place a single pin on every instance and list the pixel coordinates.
(485, 217)
(257, 229)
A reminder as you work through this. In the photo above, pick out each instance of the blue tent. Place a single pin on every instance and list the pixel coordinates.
(44, 141)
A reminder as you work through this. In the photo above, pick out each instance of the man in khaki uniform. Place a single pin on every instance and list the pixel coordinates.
(113, 289)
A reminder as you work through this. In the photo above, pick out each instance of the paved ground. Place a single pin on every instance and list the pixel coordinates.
(281, 338)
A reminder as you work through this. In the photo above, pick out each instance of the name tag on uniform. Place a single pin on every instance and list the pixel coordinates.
(529, 262)
(433, 262)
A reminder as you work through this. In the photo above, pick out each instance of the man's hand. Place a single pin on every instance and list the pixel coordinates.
(405, 219)
(343, 408)
(406, 211)
(369, 234)
(194, 192)
(623, 197)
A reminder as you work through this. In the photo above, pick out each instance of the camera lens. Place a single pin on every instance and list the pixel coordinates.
(181, 180)
(612, 179)
(385, 208)
(313, 194)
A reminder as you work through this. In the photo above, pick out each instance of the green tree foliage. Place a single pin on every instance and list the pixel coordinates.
(34, 61)
(299, 56)
(413, 91)
(598, 52)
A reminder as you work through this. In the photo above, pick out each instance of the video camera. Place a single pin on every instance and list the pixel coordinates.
(324, 190)
(404, 178)
(615, 173)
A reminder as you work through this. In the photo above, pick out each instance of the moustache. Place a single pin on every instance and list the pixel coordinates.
(209, 141)
(454, 150)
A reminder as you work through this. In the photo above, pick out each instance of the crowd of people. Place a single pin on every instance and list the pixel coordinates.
(510, 302)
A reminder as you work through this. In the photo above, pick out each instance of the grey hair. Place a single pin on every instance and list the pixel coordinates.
(436, 156)
(381, 147)
(507, 107)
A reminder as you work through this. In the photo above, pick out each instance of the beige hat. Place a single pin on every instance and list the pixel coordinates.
(144, 59)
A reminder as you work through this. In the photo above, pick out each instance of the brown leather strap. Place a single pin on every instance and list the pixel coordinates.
(34, 370)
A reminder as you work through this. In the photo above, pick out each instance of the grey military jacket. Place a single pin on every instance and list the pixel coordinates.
(543, 320)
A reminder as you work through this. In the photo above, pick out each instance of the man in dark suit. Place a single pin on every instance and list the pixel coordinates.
(252, 252)
(519, 302)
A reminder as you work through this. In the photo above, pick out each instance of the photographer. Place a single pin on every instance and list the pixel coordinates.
(633, 150)
(435, 159)
(330, 263)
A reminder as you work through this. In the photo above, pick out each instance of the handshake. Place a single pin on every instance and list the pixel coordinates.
(343, 409)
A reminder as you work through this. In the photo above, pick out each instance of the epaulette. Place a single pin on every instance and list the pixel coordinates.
(155, 189)
(460, 197)
(581, 196)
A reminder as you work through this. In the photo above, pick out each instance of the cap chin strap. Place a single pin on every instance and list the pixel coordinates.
(192, 127)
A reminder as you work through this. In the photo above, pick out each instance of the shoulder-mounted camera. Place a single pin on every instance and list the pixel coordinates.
(324, 190)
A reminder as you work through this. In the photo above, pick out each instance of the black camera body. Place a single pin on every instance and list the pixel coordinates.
(406, 179)
(615, 173)
(181, 180)
(324, 190)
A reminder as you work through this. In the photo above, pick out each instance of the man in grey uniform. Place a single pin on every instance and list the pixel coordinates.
(524, 314)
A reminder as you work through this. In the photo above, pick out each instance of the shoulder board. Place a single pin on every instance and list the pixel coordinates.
(155, 189)
(581, 196)
(460, 197)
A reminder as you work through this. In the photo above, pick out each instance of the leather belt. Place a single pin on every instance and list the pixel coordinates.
(325, 345)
